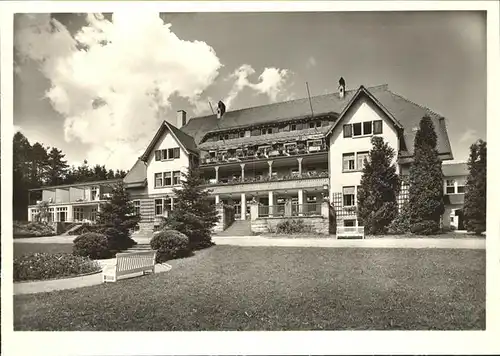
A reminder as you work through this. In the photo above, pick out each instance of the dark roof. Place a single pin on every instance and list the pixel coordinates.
(137, 173)
(455, 170)
(185, 140)
(402, 110)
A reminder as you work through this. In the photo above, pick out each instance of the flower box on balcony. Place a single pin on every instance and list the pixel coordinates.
(314, 148)
(232, 159)
(274, 153)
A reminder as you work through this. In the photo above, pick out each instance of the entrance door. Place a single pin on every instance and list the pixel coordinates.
(459, 213)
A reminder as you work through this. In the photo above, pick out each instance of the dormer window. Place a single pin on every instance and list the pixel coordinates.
(269, 131)
(293, 127)
(242, 133)
(263, 131)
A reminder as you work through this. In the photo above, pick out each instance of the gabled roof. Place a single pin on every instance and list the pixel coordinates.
(185, 141)
(401, 110)
(455, 169)
(137, 173)
(359, 93)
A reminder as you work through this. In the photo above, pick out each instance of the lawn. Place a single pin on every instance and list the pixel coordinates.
(279, 288)
(21, 248)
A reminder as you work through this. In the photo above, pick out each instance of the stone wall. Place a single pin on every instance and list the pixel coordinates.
(318, 224)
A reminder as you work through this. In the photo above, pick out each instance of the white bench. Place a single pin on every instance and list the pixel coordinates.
(350, 231)
(129, 263)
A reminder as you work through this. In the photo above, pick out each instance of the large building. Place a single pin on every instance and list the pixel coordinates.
(301, 151)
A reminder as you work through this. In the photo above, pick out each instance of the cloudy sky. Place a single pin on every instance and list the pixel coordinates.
(97, 86)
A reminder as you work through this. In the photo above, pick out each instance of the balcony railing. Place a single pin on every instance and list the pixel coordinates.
(263, 179)
(263, 154)
(272, 210)
(307, 209)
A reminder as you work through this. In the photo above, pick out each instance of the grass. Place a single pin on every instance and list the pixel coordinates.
(28, 247)
(278, 288)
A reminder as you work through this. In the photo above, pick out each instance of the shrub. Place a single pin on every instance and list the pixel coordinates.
(39, 266)
(85, 228)
(332, 220)
(170, 244)
(292, 227)
(91, 245)
(32, 229)
(401, 225)
(426, 227)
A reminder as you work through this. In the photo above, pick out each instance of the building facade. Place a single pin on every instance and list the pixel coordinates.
(302, 151)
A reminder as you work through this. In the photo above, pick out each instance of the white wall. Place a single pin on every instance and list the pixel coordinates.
(363, 110)
(179, 164)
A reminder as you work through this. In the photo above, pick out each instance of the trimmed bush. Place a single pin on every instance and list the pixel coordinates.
(427, 227)
(92, 245)
(39, 266)
(292, 227)
(170, 244)
(401, 225)
(32, 229)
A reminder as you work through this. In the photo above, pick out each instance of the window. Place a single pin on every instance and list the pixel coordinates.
(159, 206)
(177, 152)
(177, 177)
(356, 128)
(461, 188)
(269, 131)
(170, 153)
(158, 180)
(167, 178)
(158, 155)
(377, 127)
(350, 223)
(348, 162)
(348, 196)
(311, 125)
(311, 199)
(294, 172)
(137, 207)
(293, 127)
(263, 131)
(348, 130)
(450, 186)
(93, 193)
(361, 159)
(242, 134)
(226, 136)
(221, 138)
(367, 128)
(167, 204)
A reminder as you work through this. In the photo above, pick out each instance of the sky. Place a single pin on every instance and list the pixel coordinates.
(97, 86)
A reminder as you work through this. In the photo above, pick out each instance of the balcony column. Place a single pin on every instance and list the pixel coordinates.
(299, 159)
(270, 163)
(216, 174)
(217, 199)
(301, 201)
(242, 171)
(243, 206)
(271, 203)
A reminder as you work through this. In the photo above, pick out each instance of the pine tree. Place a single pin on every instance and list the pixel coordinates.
(117, 218)
(377, 198)
(39, 164)
(426, 202)
(57, 167)
(475, 192)
(20, 176)
(193, 214)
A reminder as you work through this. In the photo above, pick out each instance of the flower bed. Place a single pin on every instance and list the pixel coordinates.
(43, 266)
(31, 229)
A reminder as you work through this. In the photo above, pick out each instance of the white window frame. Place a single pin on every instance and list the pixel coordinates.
(353, 196)
(346, 155)
(364, 153)
(452, 185)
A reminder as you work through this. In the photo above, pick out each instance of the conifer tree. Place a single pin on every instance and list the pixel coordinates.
(377, 195)
(57, 167)
(193, 214)
(475, 191)
(426, 202)
(117, 218)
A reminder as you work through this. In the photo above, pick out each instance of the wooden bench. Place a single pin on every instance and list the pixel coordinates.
(129, 263)
(350, 231)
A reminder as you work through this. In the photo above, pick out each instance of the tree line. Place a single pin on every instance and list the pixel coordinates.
(378, 209)
(36, 166)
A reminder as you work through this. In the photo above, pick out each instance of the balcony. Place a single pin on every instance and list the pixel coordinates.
(266, 183)
(263, 153)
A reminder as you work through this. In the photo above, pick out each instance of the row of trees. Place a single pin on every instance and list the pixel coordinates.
(380, 186)
(35, 166)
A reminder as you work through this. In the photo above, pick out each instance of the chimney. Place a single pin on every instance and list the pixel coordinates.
(341, 88)
(221, 109)
(181, 118)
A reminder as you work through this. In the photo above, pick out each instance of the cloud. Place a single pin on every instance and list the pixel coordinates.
(271, 83)
(113, 79)
(469, 136)
(311, 62)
